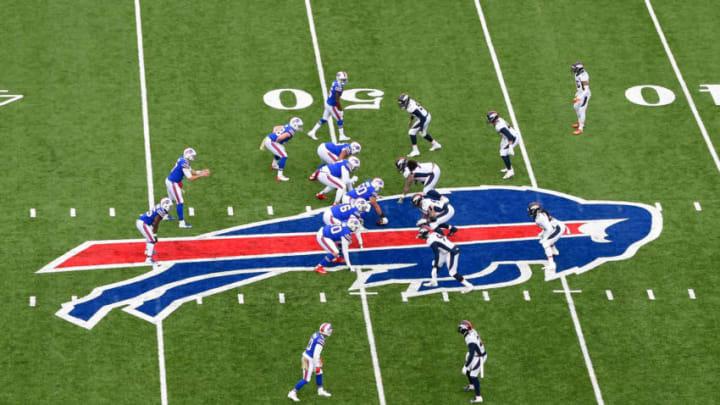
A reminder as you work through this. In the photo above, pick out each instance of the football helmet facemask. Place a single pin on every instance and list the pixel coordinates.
(400, 164)
(353, 223)
(326, 329)
(578, 67)
(492, 116)
(378, 184)
(417, 200)
(362, 205)
(355, 147)
(403, 101)
(354, 163)
(189, 154)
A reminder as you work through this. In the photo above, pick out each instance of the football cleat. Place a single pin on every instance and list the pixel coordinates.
(468, 388)
(342, 78)
(313, 176)
(575, 125)
(311, 134)
(280, 177)
(435, 146)
(509, 174)
(476, 400)
(577, 131)
(326, 330)
(338, 259)
(296, 123)
(182, 224)
(274, 166)
(344, 138)
(414, 153)
(189, 154)
(492, 116)
(293, 395)
(320, 196)
(320, 269)
(355, 148)
(578, 67)
(323, 393)
(533, 209)
(403, 101)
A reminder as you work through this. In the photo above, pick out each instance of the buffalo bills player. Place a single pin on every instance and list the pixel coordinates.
(341, 213)
(329, 236)
(331, 153)
(552, 230)
(275, 143)
(446, 253)
(436, 211)
(174, 180)
(148, 224)
(426, 173)
(337, 176)
(333, 107)
(369, 190)
(582, 95)
(419, 121)
(312, 362)
(508, 142)
(474, 359)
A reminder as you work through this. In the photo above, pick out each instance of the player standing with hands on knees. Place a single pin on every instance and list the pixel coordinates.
(552, 230)
(148, 224)
(173, 182)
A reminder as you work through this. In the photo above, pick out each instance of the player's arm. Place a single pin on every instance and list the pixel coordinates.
(317, 360)
(346, 254)
(337, 100)
(155, 225)
(408, 182)
(343, 154)
(196, 174)
(505, 131)
(472, 349)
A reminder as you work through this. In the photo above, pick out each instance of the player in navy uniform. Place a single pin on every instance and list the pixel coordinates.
(436, 211)
(312, 362)
(369, 190)
(474, 359)
(275, 143)
(419, 121)
(329, 236)
(341, 213)
(426, 173)
(331, 153)
(148, 224)
(337, 176)
(333, 107)
(174, 180)
(446, 253)
(508, 142)
(552, 230)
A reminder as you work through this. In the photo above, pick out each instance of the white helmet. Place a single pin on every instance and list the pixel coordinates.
(355, 147)
(378, 184)
(353, 223)
(166, 203)
(362, 205)
(296, 123)
(189, 154)
(341, 77)
(326, 329)
(354, 163)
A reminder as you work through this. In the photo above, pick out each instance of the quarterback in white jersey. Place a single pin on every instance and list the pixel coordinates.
(552, 229)
(475, 359)
(446, 253)
(582, 95)
(509, 139)
(426, 173)
(312, 362)
(419, 122)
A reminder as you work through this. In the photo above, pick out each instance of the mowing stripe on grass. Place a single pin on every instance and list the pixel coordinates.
(318, 61)
(143, 96)
(689, 98)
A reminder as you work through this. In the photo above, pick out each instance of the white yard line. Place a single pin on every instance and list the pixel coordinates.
(318, 60)
(689, 98)
(533, 181)
(143, 95)
(161, 363)
(373, 351)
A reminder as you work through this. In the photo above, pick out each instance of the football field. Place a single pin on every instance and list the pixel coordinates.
(98, 99)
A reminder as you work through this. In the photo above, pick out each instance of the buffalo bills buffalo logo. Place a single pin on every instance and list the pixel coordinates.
(498, 244)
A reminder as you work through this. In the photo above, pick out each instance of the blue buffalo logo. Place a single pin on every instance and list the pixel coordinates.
(498, 242)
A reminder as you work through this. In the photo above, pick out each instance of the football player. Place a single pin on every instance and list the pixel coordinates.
(275, 143)
(334, 152)
(426, 173)
(341, 213)
(369, 190)
(419, 122)
(312, 362)
(474, 359)
(508, 142)
(173, 182)
(446, 253)
(551, 231)
(436, 211)
(582, 95)
(329, 236)
(337, 176)
(333, 107)
(148, 224)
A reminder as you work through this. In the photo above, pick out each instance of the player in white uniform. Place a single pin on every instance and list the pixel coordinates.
(552, 229)
(475, 359)
(446, 253)
(436, 211)
(312, 362)
(582, 95)
(333, 107)
(419, 122)
(426, 173)
(510, 139)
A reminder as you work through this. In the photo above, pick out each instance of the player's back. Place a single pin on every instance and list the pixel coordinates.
(149, 216)
(336, 168)
(364, 190)
(337, 148)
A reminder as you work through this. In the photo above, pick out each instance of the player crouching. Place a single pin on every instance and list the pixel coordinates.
(436, 211)
(329, 236)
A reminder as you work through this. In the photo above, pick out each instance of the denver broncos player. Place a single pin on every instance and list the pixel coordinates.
(369, 190)
(312, 362)
(419, 122)
(333, 107)
(173, 182)
(341, 213)
(426, 173)
(436, 211)
(275, 143)
(329, 236)
(552, 230)
(582, 95)
(446, 253)
(508, 142)
(337, 176)
(474, 359)
(334, 152)
(148, 224)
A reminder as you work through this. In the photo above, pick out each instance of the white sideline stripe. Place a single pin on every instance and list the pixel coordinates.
(143, 96)
(526, 295)
(445, 296)
(506, 95)
(658, 206)
(689, 98)
(651, 295)
(112, 212)
(241, 299)
(322, 297)
(72, 212)
(609, 295)
(33, 213)
(32, 301)
(231, 212)
(697, 206)
(691, 293)
(161, 362)
(270, 210)
(318, 61)
(198, 300)
(581, 339)
(191, 211)
(281, 298)
(486, 296)
(373, 350)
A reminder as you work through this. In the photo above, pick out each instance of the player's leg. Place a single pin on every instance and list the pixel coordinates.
(432, 180)
(505, 156)
(325, 155)
(176, 194)
(472, 375)
(452, 263)
(330, 247)
(146, 232)
(319, 381)
(339, 193)
(278, 150)
(435, 144)
(331, 182)
(413, 140)
(307, 370)
(320, 123)
(583, 109)
(444, 217)
(329, 219)
(338, 115)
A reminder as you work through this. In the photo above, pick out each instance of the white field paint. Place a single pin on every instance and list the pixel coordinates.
(658, 206)
(445, 296)
(486, 296)
(32, 301)
(403, 296)
(73, 213)
(321, 72)
(111, 212)
(281, 298)
(609, 295)
(230, 211)
(198, 300)
(691, 293)
(191, 211)
(73, 298)
(308, 208)
(270, 210)
(322, 297)
(697, 206)
(651, 295)
(526, 295)
(33, 213)
(241, 299)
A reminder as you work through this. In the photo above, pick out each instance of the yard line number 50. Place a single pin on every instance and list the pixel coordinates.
(361, 99)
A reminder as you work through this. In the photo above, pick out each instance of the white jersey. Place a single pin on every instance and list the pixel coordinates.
(582, 89)
(501, 124)
(473, 337)
(548, 224)
(436, 206)
(422, 172)
(415, 109)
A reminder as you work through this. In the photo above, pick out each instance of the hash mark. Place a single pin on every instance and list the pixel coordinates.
(231, 212)
(241, 299)
(322, 297)
(270, 210)
(526, 294)
(281, 298)
(691, 293)
(486, 296)
(445, 296)
(32, 300)
(609, 295)
(651, 295)
(697, 206)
